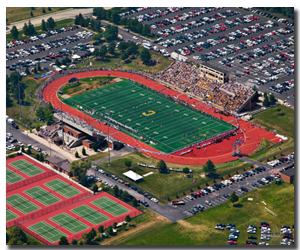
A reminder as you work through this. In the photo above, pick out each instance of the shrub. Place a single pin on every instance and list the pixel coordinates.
(76, 154)
(183, 193)
(177, 196)
(206, 184)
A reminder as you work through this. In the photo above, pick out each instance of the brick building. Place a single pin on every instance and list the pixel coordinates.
(73, 132)
(288, 175)
(59, 164)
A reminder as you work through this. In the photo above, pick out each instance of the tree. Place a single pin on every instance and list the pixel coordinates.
(93, 233)
(103, 51)
(146, 30)
(139, 28)
(74, 242)
(97, 26)
(27, 71)
(124, 56)
(115, 224)
(145, 56)
(266, 100)
(25, 29)
(96, 52)
(133, 49)
(97, 37)
(120, 193)
(83, 180)
(39, 67)
(95, 147)
(14, 32)
(128, 163)
(111, 33)
(16, 94)
(111, 48)
(125, 196)
(76, 154)
(29, 151)
(272, 99)
(42, 158)
(233, 198)
(123, 46)
(278, 110)
(31, 14)
(185, 170)
(127, 218)
(57, 62)
(35, 70)
(95, 188)
(101, 229)
(63, 241)
(49, 8)
(17, 236)
(134, 202)
(162, 167)
(116, 190)
(51, 23)
(116, 18)
(83, 151)
(31, 29)
(32, 8)
(43, 10)
(8, 100)
(209, 168)
(37, 156)
(79, 168)
(110, 230)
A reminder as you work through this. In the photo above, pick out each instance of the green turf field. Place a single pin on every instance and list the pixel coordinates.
(42, 196)
(10, 215)
(20, 203)
(47, 231)
(12, 177)
(110, 206)
(90, 214)
(68, 222)
(26, 167)
(154, 117)
(62, 188)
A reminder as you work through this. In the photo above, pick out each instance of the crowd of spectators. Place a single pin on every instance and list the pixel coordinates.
(229, 96)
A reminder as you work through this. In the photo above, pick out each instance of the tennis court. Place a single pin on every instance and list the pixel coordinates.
(68, 222)
(10, 215)
(42, 196)
(62, 188)
(149, 116)
(20, 203)
(26, 167)
(90, 214)
(47, 231)
(110, 206)
(12, 177)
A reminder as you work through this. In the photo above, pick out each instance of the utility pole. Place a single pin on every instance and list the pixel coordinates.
(107, 114)
(19, 95)
(62, 121)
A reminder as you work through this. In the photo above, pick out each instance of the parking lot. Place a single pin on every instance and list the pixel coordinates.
(235, 36)
(58, 45)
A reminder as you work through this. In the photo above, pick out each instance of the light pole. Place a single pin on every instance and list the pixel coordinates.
(107, 112)
(19, 95)
(50, 145)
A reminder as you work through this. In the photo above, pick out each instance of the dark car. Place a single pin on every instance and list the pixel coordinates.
(226, 196)
(107, 174)
(134, 188)
(252, 237)
(141, 192)
(244, 189)
(221, 225)
(145, 203)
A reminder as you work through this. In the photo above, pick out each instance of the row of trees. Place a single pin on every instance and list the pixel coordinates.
(268, 100)
(13, 88)
(28, 29)
(113, 16)
(45, 113)
(79, 169)
(88, 23)
(284, 11)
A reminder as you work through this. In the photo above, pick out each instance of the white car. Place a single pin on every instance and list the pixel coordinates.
(154, 200)
(9, 134)
(135, 38)
(37, 149)
(44, 153)
(101, 171)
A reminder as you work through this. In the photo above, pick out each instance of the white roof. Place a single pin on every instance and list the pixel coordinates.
(132, 175)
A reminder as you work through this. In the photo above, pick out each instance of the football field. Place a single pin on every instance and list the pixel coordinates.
(149, 116)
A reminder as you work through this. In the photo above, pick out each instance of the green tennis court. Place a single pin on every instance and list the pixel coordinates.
(12, 177)
(62, 188)
(47, 231)
(68, 222)
(149, 116)
(42, 196)
(10, 215)
(26, 167)
(110, 206)
(20, 203)
(90, 214)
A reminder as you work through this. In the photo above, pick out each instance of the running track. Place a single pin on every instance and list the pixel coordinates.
(218, 153)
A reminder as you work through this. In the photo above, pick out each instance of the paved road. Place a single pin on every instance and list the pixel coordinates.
(117, 153)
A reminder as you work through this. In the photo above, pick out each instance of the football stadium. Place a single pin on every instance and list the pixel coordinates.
(183, 119)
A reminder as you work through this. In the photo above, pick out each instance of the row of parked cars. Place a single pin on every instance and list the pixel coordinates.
(37, 48)
(281, 160)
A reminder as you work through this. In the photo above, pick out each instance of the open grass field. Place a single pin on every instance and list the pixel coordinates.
(42, 196)
(20, 203)
(62, 188)
(282, 122)
(10, 215)
(98, 156)
(12, 177)
(151, 118)
(173, 183)
(199, 229)
(14, 14)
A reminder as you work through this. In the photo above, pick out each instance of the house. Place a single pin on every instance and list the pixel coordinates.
(59, 164)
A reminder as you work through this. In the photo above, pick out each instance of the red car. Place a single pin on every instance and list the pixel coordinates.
(231, 241)
(246, 71)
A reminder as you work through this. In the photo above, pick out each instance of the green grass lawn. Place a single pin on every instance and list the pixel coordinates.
(97, 156)
(283, 124)
(14, 14)
(199, 229)
(169, 185)
(30, 239)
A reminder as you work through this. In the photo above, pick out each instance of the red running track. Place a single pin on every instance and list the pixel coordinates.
(218, 153)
